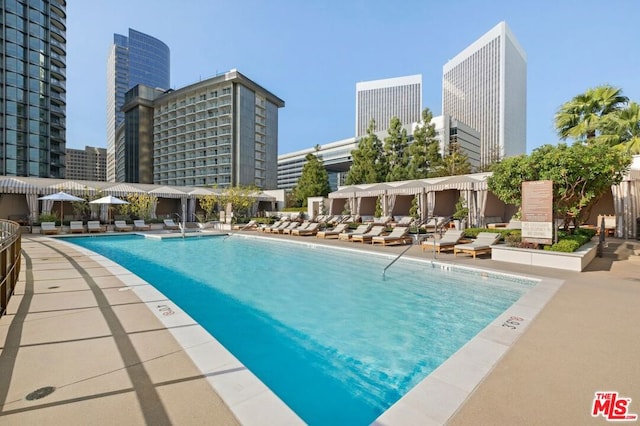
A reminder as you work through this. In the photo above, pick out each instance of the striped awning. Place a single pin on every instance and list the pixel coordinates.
(17, 186)
(123, 189)
(168, 192)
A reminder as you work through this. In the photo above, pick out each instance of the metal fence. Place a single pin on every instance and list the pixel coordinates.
(10, 251)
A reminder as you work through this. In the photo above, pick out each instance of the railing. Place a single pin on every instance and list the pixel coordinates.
(10, 248)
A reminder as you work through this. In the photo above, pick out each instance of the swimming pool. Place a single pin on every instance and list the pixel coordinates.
(320, 327)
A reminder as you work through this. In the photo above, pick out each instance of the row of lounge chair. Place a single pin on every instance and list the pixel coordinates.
(292, 228)
(77, 227)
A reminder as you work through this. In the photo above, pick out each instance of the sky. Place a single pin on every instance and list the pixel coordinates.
(311, 54)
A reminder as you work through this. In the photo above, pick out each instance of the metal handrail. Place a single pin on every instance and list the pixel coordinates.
(384, 271)
(10, 252)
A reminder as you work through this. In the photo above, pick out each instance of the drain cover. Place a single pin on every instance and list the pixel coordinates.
(40, 393)
(53, 286)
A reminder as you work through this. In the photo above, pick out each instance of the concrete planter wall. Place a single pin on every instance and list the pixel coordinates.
(575, 261)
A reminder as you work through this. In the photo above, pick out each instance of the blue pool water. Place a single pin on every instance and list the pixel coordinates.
(320, 327)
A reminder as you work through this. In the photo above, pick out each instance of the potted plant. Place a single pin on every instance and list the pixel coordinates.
(461, 213)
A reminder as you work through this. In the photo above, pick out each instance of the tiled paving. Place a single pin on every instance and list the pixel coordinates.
(75, 325)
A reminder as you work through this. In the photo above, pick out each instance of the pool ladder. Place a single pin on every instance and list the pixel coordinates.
(394, 261)
(407, 249)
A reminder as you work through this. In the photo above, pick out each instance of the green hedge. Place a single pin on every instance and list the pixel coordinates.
(567, 243)
(473, 232)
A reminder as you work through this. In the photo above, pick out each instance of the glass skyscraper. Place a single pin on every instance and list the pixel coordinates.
(136, 59)
(33, 75)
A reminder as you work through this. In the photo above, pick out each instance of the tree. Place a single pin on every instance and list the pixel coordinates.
(581, 174)
(585, 116)
(208, 203)
(624, 128)
(424, 152)
(395, 150)
(369, 164)
(240, 198)
(313, 182)
(455, 163)
(140, 206)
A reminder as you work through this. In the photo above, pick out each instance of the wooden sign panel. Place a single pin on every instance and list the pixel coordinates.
(537, 211)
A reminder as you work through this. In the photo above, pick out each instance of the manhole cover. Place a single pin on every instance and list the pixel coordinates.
(40, 393)
(53, 286)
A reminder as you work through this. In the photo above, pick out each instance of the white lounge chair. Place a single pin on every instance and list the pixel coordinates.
(121, 226)
(287, 229)
(399, 235)
(482, 244)
(271, 227)
(94, 226)
(171, 225)
(76, 227)
(49, 228)
(140, 225)
(327, 233)
(361, 229)
(367, 236)
(251, 225)
(311, 229)
(448, 240)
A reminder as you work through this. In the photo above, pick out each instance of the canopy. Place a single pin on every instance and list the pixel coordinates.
(62, 197)
(109, 199)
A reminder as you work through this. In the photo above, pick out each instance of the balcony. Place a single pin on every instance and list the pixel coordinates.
(59, 97)
(57, 110)
(59, 123)
(58, 60)
(59, 84)
(59, 47)
(57, 31)
(58, 72)
(58, 8)
(58, 20)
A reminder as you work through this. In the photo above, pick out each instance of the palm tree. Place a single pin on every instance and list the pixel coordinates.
(582, 117)
(626, 127)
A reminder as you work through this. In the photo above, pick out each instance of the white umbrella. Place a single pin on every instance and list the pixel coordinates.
(109, 199)
(62, 197)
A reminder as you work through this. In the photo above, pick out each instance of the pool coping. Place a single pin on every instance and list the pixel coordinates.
(432, 401)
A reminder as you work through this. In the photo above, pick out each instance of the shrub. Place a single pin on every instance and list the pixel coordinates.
(48, 217)
(566, 246)
(473, 232)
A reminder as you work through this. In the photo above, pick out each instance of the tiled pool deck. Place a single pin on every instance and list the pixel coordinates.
(116, 351)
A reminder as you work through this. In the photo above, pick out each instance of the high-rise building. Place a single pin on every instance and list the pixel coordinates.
(485, 86)
(220, 131)
(89, 163)
(33, 80)
(381, 100)
(136, 59)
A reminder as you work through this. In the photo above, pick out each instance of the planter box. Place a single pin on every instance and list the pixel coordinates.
(576, 261)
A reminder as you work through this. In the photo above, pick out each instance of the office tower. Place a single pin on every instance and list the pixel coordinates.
(383, 99)
(33, 78)
(220, 131)
(136, 59)
(485, 86)
(89, 163)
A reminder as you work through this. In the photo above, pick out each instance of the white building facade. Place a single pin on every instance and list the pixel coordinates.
(381, 100)
(485, 87)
